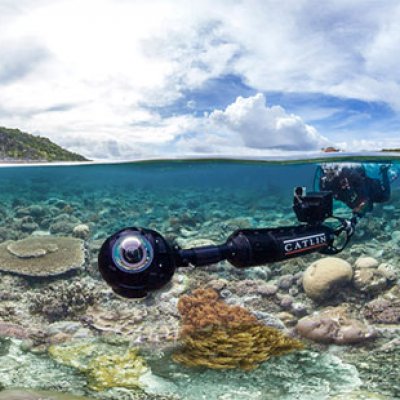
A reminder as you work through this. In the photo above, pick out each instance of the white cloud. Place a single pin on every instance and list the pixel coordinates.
(266, 127)
(85, 73)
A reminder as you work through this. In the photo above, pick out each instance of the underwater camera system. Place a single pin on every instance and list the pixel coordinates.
(312, 208)
(135, 261)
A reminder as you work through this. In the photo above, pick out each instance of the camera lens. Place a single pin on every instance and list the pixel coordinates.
(132, 253)
(135, 261)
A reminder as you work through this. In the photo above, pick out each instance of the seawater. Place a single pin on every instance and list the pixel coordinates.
(191, 202)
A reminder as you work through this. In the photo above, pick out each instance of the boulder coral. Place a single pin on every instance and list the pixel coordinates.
(324, 277)
(333, 325)
(219, 336)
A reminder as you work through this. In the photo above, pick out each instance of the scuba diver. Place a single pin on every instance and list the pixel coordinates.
(351, 185)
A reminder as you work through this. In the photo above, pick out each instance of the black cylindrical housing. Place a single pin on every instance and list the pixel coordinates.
(251, 247)
(200, 256)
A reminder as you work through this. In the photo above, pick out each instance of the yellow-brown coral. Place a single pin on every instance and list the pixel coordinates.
(217, 335)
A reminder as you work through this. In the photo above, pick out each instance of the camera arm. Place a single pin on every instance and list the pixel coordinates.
(154, 261)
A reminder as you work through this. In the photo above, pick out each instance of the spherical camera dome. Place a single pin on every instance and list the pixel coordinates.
(135, 261)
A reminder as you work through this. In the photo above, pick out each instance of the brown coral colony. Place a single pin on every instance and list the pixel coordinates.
(219, 336)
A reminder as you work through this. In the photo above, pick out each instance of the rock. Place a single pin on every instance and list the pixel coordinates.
(370, 277)
(217, 284)
(333, 325)
(366, 262)
(388, 271)
(285, 281)
(286, 301)
(37, 395)
(29, 226)
(383, 311)
(81, 231)
(42, 255)
(267, 289)
(323, 277)
(287, 318)
(299, 309)
(13, 330)
(69, 327)
(386, 308)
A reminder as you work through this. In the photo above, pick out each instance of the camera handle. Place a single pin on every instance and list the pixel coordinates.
(348, 227)
(252, 247)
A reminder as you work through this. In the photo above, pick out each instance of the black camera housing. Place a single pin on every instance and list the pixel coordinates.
(137, 283)
(312, 208)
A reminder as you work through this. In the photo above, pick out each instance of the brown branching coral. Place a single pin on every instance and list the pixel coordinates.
(63, 299)
(217, 335)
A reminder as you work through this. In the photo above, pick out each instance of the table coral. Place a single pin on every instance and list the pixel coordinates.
(219, 336)
(42, 256)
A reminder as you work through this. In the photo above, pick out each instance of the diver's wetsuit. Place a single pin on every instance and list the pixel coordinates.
(358, 191)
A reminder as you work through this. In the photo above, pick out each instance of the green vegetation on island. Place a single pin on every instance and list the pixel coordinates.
(21, 146)
(391, 150)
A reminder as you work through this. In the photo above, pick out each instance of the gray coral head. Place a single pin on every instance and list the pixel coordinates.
(42, 255)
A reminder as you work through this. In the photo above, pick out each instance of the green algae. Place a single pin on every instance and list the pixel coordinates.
(108, 371)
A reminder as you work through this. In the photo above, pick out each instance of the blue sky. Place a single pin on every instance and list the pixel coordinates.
(122, 79)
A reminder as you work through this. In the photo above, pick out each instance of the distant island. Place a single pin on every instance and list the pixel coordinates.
(391, 150)
(17, 146)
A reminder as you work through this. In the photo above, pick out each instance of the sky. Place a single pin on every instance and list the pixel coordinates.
(131, 79)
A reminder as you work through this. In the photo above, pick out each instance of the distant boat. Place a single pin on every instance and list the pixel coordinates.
(330, 149)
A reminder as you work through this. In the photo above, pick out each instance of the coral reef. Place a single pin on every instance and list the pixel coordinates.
(386, 308)
(63, 299)
(104, 366)
(139, 325)
(372, 277)
(41, 255)
(107, 371)
(219, 336)
(13, 330)
(324, 277)
(333, 325)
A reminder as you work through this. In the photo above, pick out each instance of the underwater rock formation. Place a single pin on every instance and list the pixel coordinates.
(13, 330)
(219, 336)
(372, 277)
(323, 277)
(63, 299)
(333, 325)
(41, 255)
(81, 231)
(386, 308)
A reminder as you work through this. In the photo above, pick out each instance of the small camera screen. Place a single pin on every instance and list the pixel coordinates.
(299, 191)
